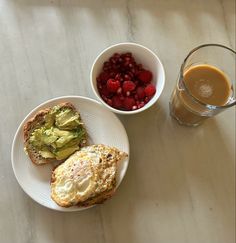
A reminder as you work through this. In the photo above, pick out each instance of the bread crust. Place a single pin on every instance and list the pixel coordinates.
(31, 125)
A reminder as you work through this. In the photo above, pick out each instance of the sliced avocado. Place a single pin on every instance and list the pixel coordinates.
(49, 136)
(47, 154)
(67, 119)
(50, 117)
(66, 152)
(60, 135)
(36, 137)
(65, 139)
(42, 136)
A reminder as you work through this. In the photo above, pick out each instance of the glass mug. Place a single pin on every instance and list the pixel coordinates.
(205, 85)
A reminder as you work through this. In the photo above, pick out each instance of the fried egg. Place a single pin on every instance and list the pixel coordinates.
(85, 175)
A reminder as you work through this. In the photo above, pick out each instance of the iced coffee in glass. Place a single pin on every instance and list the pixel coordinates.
(205, 85)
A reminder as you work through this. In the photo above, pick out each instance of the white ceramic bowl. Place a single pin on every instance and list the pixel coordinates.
(142, 55)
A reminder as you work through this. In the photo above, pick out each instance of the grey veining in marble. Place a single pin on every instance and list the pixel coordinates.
(180, 185)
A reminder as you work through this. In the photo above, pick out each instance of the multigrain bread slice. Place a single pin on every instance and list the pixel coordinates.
(37, 121)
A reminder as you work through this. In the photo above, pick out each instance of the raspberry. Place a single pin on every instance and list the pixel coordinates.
(128, 103)
(128, 86)
(116, 102)
(113, 85)
(140, 93)
(150, 90)
(145, 76)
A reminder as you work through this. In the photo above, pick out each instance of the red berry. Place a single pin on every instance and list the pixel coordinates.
(113, 85)
(116, 102)
(140, 93)
(145, 76)
(150, 90)
(128, 86)
(128, 103)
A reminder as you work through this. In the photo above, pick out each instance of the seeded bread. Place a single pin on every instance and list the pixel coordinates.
(36, 122)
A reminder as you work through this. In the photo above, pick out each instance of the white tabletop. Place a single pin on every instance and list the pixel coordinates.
(180, 184)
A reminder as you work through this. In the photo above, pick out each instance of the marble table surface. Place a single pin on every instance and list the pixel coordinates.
(180, 184)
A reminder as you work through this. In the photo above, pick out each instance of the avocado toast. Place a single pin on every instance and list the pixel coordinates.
(53, 134)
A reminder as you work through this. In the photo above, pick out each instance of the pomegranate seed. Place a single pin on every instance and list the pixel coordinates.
(112, 74)
(133, 70)
(120, 60)
(131, 65)
(112, 60)
(126, 77)
(128, 54)
(109, 102)
(127, 59)
(117, 77)
(146, 100)
(128, 93)
(119, 90)
(131, 75)
(134, 107)
(104, 97)
(141, 104)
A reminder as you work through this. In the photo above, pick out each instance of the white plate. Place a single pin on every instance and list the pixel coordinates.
(103, 128)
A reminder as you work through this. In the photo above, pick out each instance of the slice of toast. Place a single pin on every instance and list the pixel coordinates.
(36, 122)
